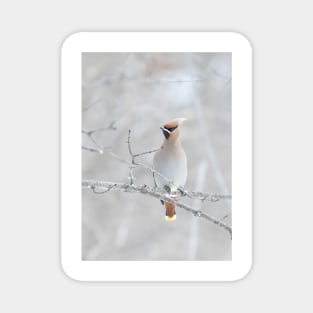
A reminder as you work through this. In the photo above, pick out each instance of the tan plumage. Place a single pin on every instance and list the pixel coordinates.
(171, 162)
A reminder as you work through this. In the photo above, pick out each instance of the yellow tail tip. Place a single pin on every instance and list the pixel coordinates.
(170, 219)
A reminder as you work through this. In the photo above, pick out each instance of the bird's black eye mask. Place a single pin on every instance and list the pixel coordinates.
(166, 133)
(171, 129)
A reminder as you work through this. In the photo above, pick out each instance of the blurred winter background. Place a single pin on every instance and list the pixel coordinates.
(142, 91)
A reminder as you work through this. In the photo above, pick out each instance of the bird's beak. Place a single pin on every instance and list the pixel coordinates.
(164, 129)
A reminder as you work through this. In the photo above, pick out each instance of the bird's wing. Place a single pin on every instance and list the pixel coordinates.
(155, 185)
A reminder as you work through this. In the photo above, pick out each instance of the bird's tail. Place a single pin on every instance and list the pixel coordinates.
(170, 214)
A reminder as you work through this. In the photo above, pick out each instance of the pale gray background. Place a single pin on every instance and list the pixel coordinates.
(141, 92)
(31, 276)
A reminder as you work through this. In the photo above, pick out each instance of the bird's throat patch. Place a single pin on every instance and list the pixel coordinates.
(166, 134)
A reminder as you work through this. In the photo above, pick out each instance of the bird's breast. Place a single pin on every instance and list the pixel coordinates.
(172, 165)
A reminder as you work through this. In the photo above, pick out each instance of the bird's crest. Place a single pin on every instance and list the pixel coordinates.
(174, 123)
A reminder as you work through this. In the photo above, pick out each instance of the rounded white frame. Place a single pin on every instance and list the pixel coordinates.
(71, 261)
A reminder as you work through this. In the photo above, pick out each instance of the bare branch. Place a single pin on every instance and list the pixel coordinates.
(91, 132)
(117, 157)
(147, 152)
(132, 166)
(157, 193)
(90, 135)
(91, 149)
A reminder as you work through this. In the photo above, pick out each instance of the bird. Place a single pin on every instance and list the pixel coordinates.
(171, 162)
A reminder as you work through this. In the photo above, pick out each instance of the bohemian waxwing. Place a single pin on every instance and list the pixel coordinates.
(171, 162)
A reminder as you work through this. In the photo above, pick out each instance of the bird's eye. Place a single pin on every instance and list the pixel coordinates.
(171, 129)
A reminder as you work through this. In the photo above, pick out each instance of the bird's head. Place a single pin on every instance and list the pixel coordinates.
(171, 129)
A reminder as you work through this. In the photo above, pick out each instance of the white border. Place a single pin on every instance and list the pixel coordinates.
(241, 262)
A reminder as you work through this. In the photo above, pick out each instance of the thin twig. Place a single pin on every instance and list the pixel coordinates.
(90, 135)
(91, 149)
(132, 166)
(147, 152)
(117, 157)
